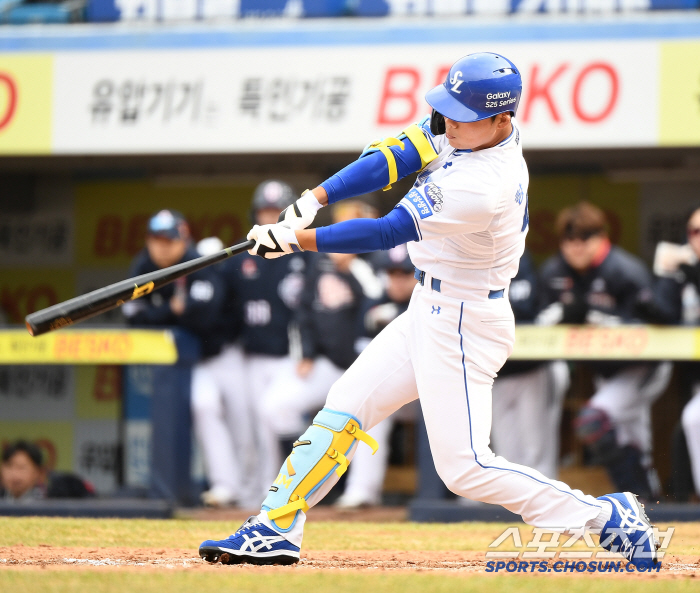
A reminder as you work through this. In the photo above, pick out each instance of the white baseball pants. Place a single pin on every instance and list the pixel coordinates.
(627, 397)
(261, 372)
(522, 401)
(223, 420)
(447, 351)
(290, 397)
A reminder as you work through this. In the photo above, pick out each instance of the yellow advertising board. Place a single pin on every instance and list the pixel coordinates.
(23, 291)
(26, 83)
(103, 346)
(587, 342)
(111, 217)
(679, 89)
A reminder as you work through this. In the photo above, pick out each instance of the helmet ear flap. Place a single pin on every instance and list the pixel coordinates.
(437, 123)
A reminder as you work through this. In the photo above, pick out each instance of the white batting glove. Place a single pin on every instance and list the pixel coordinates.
(301, 213)
(273, 240)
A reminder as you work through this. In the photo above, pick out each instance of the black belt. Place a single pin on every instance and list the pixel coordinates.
(435, 285)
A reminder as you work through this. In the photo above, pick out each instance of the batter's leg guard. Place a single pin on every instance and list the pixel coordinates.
(319, 452)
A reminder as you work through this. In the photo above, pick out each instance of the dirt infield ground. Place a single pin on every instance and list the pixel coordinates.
(47, 555)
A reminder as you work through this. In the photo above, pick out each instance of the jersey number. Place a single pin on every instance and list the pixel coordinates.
(257, 312)
(526, 216)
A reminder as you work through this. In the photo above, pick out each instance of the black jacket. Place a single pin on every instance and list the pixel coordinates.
(332, 309)
(611, 288)
(204, 300)
(261, 295)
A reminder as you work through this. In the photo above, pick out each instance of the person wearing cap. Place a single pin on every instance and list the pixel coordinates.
(194, 303)
(261, 298)
(465, 221)
(592, 281)
(338, 290)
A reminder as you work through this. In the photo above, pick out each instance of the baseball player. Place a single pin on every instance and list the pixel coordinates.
(528, 393)
(338, 290)
(592, 281)
(194, 303)
(465, 221)
(264, 295)
(676, 300)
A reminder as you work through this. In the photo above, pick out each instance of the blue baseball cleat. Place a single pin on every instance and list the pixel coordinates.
(629, 530)
(253, 543)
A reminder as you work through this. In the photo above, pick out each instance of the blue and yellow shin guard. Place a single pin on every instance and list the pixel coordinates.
(319, 452)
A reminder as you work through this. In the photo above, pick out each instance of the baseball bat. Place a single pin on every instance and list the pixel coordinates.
(112, 296)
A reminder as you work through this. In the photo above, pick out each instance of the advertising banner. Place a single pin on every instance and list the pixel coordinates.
(302, 98)
(628, 342)
(111, 217)
(23, 291)
(104, 346)
(25, 104)
(259, 99)
(680, 94)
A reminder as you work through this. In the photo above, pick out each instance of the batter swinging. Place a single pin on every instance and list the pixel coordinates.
(465, 221)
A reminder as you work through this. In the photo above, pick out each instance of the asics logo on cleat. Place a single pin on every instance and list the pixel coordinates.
(265, 542)
(629, 520)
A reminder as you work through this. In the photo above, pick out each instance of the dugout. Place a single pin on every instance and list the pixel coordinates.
(102, 127)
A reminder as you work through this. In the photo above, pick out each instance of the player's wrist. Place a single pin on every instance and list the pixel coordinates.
(301, 214)
(314, 199)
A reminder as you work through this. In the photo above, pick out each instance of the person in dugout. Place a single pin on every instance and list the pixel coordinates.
(193, 303)
(676, 300)
(592, 281)
(338, 289)
(263, 295)
(25, 478)
(366, 473)
(528, 393)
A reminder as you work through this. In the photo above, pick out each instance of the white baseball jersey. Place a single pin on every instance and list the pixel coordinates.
(470, 212)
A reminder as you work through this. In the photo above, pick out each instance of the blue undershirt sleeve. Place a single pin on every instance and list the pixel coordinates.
(363, 235)
(371, 172)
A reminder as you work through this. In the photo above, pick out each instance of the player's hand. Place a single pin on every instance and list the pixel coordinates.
(273, 240)
(301, 213)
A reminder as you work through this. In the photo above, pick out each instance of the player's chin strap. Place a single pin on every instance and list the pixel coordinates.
(415, 135)
(319, 452)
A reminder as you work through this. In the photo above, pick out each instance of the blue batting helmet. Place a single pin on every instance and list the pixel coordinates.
(477, 86)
